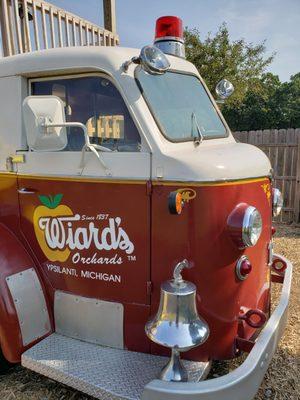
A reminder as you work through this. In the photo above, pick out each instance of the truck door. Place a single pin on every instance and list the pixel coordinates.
(88, 225)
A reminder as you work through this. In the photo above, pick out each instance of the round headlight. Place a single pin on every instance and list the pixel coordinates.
(252, 226)
(153, 60)
(244, 225)
(277, 202)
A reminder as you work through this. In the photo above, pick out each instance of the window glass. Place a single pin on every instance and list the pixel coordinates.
(95, 102)
(181, 106)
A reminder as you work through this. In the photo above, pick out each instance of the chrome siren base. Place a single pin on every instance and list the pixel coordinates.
(172, 47)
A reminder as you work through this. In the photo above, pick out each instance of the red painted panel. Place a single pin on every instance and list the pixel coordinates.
(199, 234)
(9, 206)
(135, 318)
(91, 238)
(13, 259)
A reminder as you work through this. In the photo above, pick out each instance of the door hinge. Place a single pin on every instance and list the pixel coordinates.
(149, 288)
(149, 188)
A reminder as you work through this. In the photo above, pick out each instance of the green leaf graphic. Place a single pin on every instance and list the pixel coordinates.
(50, 201)
(45, 200)
(57, 200)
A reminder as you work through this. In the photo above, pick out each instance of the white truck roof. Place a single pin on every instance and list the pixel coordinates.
(75, 59)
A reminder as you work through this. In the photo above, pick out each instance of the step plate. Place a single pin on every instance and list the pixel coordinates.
(102, 372)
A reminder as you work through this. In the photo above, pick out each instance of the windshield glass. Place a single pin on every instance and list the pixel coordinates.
(181, 106)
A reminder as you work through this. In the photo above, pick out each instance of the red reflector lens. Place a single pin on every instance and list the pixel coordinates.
(169, 26)
(246, 268)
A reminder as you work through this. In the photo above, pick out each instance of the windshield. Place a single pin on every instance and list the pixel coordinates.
(181, 106)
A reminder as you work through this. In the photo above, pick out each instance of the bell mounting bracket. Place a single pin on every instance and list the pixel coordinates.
(178, 269)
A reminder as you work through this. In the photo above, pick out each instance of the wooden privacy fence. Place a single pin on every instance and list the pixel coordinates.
(29, 25)
(283, 149)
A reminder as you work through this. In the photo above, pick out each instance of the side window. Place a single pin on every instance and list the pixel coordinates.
(95, 102)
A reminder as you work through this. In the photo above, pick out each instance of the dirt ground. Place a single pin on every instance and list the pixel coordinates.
(282, 381)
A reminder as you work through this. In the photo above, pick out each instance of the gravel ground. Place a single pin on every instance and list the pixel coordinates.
(282, 381)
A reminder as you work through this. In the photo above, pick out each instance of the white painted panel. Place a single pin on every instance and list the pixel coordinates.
(120, 165)
(12, 91)
(51, 163)
(209, 163)
(134, 166)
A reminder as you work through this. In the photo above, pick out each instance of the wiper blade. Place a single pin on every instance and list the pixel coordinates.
(199, 139)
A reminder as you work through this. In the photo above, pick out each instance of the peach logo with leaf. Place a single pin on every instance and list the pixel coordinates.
(48, 227)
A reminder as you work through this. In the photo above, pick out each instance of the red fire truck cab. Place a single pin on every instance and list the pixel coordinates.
(115, 166)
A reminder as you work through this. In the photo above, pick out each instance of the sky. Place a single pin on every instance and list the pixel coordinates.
(276, 21)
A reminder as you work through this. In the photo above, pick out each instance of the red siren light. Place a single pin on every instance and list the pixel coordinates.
(169, 36)
(169, 26)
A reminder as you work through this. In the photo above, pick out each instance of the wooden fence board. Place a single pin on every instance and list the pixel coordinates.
(283, 149)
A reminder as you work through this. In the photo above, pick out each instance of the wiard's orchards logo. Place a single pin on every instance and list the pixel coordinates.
(60, 232)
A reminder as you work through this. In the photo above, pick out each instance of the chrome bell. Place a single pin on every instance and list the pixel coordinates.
(177, 324)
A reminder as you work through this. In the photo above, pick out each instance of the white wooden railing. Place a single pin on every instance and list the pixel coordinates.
(30, 25)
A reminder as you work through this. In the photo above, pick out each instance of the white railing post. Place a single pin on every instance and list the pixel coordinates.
(28, 25)
(5, 29)
(109, 11)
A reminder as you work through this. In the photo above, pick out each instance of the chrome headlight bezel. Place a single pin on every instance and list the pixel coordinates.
(244, 225)
(252, 226)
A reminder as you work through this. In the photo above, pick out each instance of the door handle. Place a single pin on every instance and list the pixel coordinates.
(27, 191)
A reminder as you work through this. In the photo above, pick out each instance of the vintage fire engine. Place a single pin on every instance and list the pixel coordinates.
(133, 226)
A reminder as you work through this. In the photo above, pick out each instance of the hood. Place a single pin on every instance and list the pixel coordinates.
(211, 163)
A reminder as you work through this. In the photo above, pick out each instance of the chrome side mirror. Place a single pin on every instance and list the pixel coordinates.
(224, 89)
(151, 59)
(45, 124)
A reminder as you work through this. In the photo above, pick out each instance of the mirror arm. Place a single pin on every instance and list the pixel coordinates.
(126, 64)
(88, 145)
(83, 127)
(94, 151)
(70, 125)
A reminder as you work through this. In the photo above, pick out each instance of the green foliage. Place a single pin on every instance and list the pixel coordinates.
(260, 100)
(217, 57)
(276, 105)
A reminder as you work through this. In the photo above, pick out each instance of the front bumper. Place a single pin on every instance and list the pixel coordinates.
(243, 382)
